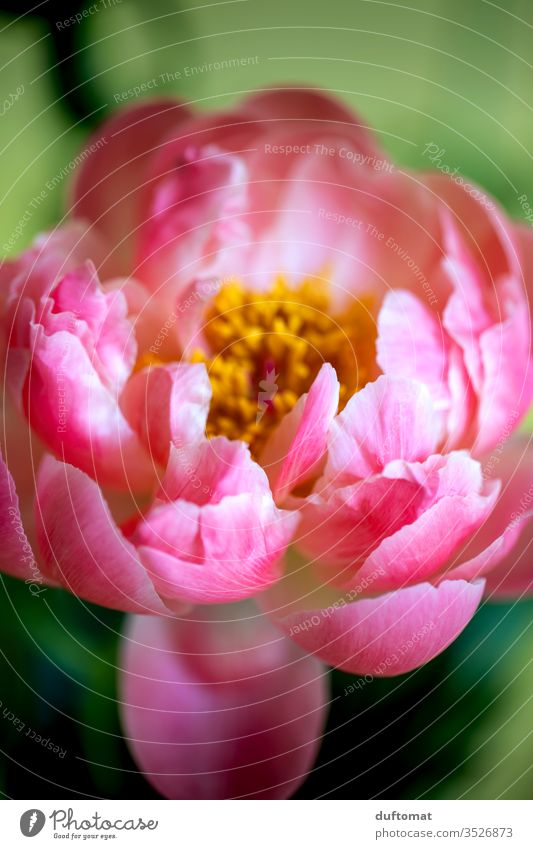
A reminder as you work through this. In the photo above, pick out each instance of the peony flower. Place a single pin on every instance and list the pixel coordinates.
(255, 332)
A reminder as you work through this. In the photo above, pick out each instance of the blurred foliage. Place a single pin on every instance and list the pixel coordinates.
(453, 73)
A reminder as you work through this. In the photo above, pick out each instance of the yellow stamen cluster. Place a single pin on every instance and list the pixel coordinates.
(266, 348)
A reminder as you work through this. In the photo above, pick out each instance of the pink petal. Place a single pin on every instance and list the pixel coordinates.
(488, 233)
(359, 225)
(167, 404)
(195, 215)
(34, 273)
(419, 550)
(16, 555)
(79, 305)
(387, 635)
(413, 343)
(220, 706)
(207, 471)
(78, 417)
(308, 104)
(111, 186)
(82, 547)
(489, 319)
(23, 452)
(505, 351)
(241, 542)
(344, 528)
(487, 313)
(501, 550)
(524, 239)
(391, 418)
(294, 451)
(215, 534)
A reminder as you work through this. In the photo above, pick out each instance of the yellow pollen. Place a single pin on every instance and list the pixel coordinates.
(266, 348)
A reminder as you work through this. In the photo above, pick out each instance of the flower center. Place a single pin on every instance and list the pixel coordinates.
(266, 349)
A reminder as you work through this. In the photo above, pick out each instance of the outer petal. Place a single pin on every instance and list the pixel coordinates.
(290, 189)
(218, 709)
(524, 239)
(111, 186)
(23, 452)
(390, 419)
(82, 547)
(489, 318)
(487, 312)
(508, 386)
(386, 635)
(308, 104)
(298, 115)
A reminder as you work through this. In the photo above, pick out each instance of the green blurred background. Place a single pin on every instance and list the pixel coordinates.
(458, 74)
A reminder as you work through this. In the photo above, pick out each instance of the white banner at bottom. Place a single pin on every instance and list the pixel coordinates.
(309, 824)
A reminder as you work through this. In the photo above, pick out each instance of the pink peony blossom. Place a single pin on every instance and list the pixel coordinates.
(253, 332)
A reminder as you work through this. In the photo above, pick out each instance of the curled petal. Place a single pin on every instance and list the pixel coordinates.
(78, 304)
(32, 275)
(390, 419)
(215, 534)
(343, 529)
(294, 451)
(79, 418)
(168, 404)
